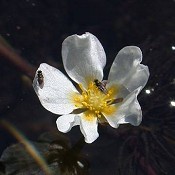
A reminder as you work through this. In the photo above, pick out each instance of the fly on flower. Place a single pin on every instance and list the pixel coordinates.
(40, 78)
(114, 102)
(101, 85)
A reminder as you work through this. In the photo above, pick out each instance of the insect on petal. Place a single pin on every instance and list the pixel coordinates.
(54, 94)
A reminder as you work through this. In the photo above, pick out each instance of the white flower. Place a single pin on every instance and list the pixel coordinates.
(95, 101)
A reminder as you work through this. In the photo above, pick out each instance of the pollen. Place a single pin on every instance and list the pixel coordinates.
(95, 102)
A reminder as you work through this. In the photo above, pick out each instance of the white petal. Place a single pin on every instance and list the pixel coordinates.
(66, 122)
(83, 57)
(89, 129)
(128, 112)
(127, 70)
(55, 92)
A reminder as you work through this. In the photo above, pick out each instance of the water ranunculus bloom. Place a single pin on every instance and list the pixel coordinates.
(95, 101)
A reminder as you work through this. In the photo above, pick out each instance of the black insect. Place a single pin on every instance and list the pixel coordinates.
(40, 78)
(101, 85)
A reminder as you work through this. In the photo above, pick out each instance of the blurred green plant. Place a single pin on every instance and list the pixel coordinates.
(51, 155)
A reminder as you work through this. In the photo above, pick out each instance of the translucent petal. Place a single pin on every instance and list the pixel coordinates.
(55, 91)
(128, 112)
(89, 129)
(127, 70)
(83, 58)
(66, 122)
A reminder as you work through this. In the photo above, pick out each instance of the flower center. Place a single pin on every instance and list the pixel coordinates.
(96, 100)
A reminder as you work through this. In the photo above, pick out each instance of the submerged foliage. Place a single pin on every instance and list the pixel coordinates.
(51, 155)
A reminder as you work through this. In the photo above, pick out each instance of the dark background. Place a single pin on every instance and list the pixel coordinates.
(35, 29)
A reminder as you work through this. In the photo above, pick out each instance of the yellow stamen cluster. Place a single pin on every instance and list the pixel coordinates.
(95, 101)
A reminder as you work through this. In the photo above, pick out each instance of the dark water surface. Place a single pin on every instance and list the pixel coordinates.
(35, 29)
